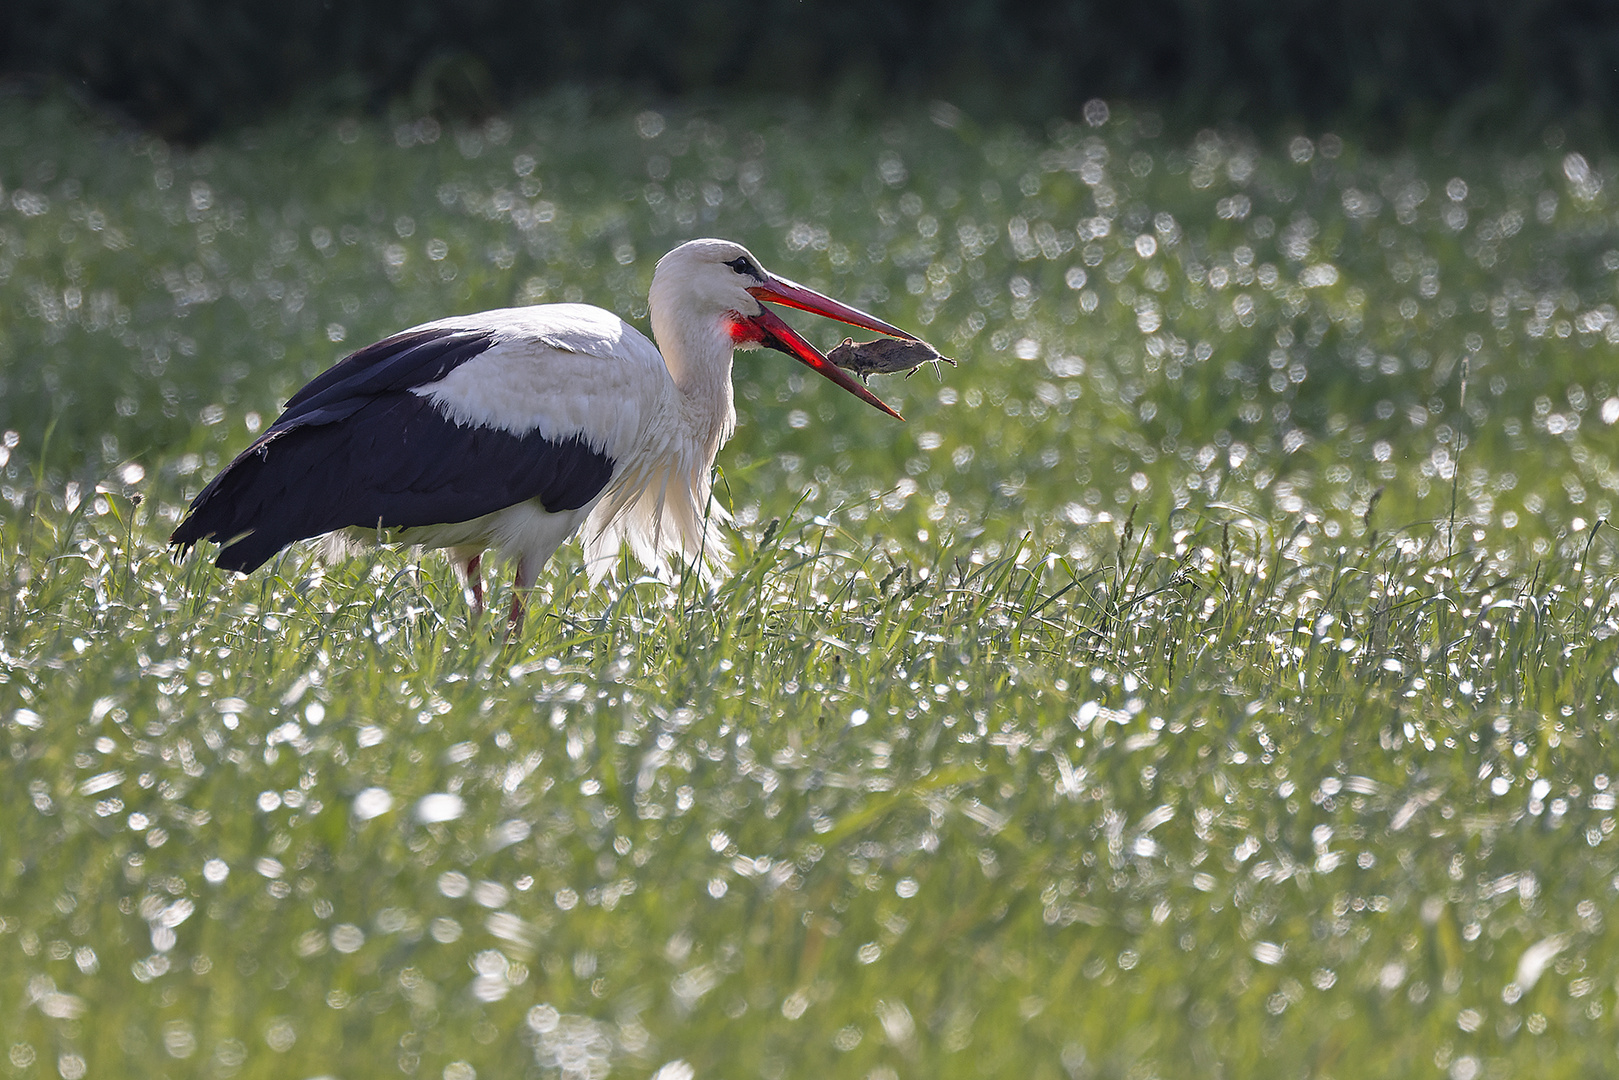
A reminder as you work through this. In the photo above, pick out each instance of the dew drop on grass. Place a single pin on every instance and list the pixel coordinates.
(439, 807)
(372, 802)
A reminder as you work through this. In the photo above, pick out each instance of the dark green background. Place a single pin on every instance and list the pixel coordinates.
(185, 68)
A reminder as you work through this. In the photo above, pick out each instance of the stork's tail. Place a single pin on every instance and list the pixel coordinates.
(232, 511)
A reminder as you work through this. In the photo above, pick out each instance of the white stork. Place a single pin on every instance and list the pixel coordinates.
(511, 429)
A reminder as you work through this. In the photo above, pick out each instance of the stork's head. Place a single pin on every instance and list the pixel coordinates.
(714, 288)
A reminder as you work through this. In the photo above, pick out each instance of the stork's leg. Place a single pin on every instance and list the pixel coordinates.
(520, 586)
(475, 583)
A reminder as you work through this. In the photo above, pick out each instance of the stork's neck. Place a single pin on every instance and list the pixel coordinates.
(698, 355)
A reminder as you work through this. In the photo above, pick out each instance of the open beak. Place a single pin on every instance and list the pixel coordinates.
(773, 333)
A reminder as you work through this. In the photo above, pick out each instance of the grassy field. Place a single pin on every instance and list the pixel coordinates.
(1214, 677)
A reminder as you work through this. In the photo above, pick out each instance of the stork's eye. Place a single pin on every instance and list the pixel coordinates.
(742, 265)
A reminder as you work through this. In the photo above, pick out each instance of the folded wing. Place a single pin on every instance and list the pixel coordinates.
(363, 446)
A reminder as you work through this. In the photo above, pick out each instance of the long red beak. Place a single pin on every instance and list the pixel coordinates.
(771, 332)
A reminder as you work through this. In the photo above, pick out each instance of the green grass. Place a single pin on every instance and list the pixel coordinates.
(1214, 677)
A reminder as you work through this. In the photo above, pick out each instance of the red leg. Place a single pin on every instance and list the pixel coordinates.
(475, 583)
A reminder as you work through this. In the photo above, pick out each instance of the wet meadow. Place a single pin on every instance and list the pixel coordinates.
(1215, 675)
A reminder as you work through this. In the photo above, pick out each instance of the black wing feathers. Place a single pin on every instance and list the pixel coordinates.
(414, 358)
(357, 448)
